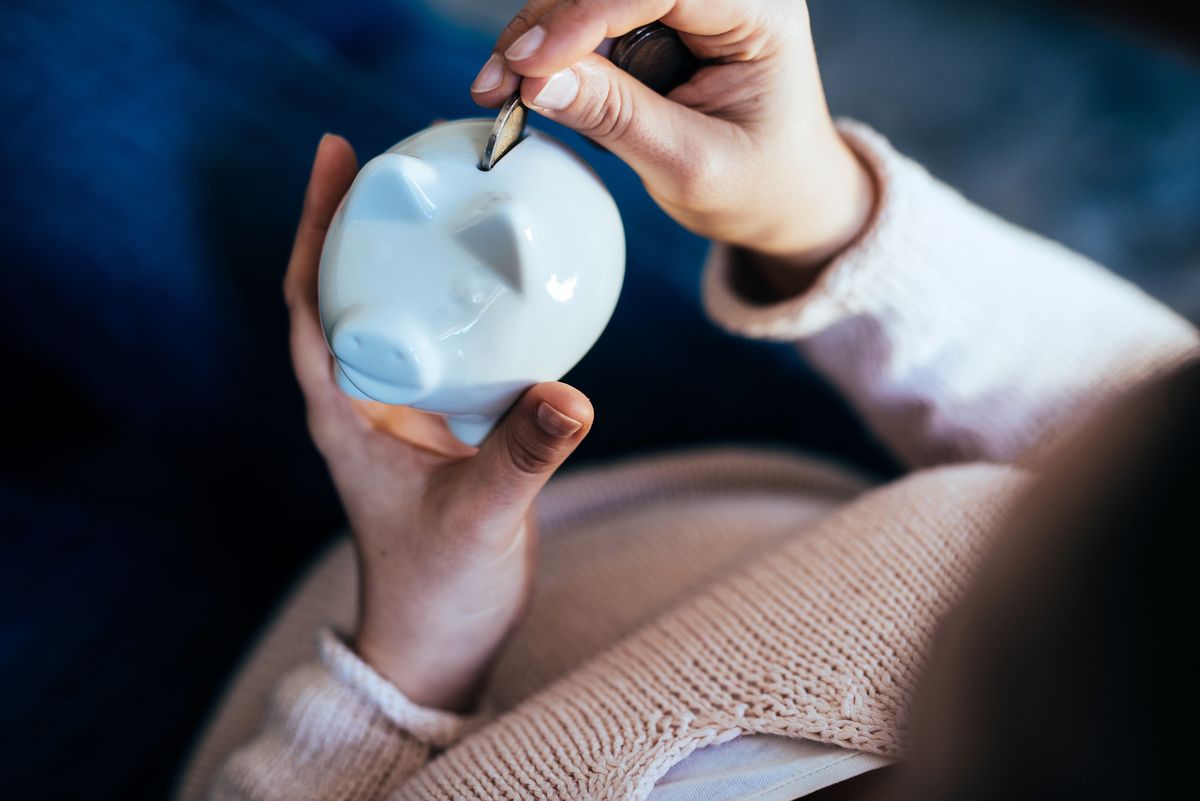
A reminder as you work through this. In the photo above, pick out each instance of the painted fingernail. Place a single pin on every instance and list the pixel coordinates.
(490, 76)
(559, 92)
(555, 423)
(527, 44)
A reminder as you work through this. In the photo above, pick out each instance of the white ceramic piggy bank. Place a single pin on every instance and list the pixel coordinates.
(452, 289)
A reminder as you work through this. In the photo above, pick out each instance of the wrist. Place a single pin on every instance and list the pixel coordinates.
(430, 674)
(789, 256)
(433, 630)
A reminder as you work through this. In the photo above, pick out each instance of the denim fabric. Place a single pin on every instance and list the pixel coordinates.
(157, 488)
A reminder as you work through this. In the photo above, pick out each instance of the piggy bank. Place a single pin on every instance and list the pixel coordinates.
(452, 289)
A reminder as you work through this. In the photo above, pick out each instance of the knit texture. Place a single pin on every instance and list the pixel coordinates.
(622, 544)
(803, 643)
(956, 335)
(959, 338)
(323, 738)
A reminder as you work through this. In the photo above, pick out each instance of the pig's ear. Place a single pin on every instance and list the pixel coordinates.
(392, 187)
(499, 231)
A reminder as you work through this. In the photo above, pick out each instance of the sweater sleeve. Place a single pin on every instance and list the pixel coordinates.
(335, 729)
(956, 335)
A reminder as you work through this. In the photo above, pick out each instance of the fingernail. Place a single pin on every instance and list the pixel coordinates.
(555, 423)
(559, 92)
(527, 44)
(490, 76)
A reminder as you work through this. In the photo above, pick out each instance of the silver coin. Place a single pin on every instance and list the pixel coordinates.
(508, 130)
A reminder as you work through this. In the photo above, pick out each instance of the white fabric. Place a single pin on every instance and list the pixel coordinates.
(762, 768)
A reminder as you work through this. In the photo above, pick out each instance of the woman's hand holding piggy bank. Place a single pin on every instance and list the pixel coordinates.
(452, 289)
(443, 531)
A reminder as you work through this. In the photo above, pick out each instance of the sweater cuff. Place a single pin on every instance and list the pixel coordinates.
(433, 727)
(847, 284)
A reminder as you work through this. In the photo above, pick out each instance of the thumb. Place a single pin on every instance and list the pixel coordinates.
(523, 451)
(666, 143)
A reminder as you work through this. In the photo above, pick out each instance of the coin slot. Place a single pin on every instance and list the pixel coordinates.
(482, 166)
(507, 132)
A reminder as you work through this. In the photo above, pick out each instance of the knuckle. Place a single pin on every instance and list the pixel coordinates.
(611, 116)
(530, 455)
(587, 8)
(522, 21)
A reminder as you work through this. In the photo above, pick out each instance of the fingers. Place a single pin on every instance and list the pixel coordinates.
(422, 429)
(549, 35)
(670, 146)
(530, 443)
(495, 82)
(333, 171)
(570, 29)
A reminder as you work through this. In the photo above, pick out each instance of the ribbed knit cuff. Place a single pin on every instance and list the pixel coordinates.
(957, 335)
(841, 286)
(433, 727)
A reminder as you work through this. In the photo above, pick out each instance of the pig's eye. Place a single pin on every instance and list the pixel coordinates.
(471, 293)
(473, 290)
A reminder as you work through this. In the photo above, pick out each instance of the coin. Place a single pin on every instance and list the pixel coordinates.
(656, 56)
(508, 130)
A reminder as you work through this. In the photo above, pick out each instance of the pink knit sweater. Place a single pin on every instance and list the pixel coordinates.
(966, 344)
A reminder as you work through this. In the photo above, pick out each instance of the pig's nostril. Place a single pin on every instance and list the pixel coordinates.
(378, 357)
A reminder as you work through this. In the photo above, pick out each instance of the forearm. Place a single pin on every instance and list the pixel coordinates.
(957, 335)
(334, 730)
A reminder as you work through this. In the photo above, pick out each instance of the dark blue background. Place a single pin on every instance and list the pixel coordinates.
(157, 489)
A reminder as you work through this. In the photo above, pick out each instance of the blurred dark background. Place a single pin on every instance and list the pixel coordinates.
(157, 488)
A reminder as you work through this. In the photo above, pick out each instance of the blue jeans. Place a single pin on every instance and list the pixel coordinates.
(159, 489)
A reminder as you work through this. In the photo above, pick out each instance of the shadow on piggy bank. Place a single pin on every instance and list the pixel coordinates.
(451, 289)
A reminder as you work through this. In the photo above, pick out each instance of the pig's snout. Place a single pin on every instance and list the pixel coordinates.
(388, 364)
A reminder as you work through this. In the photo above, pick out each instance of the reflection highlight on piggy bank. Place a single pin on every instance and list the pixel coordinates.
(451, 289)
